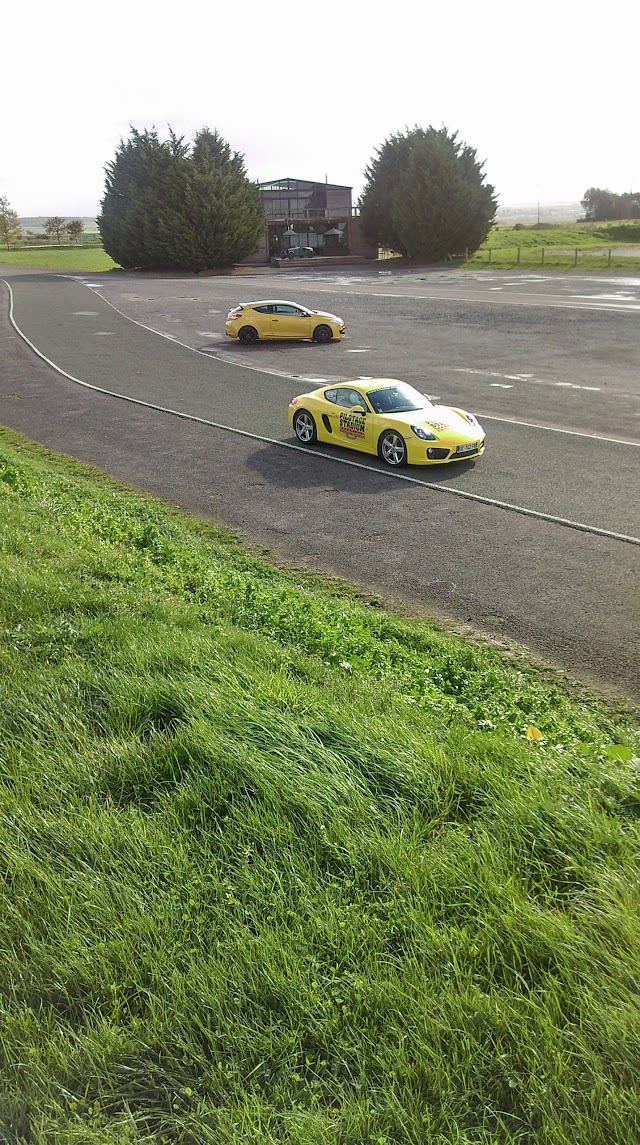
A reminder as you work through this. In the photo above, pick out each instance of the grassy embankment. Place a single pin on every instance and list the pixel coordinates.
(280, 867)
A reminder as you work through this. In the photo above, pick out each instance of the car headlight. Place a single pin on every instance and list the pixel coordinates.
(425, 434)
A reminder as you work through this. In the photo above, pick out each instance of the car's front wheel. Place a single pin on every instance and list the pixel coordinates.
(322, 334)
(248, 335)
(304, 427)
(392, 448)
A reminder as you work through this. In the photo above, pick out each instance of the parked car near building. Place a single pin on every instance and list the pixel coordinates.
(299, 252)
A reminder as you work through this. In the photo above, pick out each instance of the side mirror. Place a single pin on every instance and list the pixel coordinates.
(358, 409)
(427, 397)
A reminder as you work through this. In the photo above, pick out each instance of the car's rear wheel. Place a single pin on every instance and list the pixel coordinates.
(305, 427)
(248, 335)
(392, 448)
(322, 334)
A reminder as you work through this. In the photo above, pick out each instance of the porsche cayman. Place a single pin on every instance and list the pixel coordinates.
(389, 418)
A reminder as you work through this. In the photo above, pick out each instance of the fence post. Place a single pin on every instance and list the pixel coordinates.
(575, 261)
(542, 257)
(466, 254)
(609, 262)
(489, 259)
(518, 258)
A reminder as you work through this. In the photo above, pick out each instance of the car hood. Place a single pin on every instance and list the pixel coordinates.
(441, 420)
(325, 314)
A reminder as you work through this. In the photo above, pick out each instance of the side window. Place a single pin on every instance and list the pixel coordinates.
(263, 309)
(357, 399)
(291, 310)
(347, 397)
(331, 395)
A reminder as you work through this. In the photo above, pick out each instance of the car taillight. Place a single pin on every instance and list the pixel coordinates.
(235, 313)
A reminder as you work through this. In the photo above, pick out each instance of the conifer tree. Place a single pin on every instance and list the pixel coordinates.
(225, 207)
(168, 208)
(425, 196)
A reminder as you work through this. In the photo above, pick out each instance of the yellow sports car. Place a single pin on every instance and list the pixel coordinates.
(274, 319)
(389, 418)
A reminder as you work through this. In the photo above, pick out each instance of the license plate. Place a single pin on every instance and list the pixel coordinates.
(469, 448)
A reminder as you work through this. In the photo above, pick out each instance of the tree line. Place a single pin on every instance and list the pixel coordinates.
(606, 206)
(11, 232)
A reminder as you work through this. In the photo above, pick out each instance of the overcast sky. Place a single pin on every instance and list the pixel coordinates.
(546, 92)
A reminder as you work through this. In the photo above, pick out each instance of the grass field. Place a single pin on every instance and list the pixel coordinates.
(509, 247)
(282, 867)
(64, 258)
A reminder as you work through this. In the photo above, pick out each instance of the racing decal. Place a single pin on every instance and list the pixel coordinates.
(352, 424)
(439, 426)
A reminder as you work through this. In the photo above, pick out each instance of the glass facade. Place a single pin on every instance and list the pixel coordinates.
(301, 199)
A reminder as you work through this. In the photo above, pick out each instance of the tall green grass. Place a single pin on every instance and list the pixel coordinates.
(282, 867)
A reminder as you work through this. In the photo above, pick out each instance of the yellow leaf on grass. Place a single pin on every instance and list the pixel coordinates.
(534, 732)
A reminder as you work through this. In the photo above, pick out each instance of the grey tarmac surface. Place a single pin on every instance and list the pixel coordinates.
(558, 350)
(570, 596)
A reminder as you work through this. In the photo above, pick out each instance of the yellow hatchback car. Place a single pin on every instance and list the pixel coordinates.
(272, 318)
(389, 418)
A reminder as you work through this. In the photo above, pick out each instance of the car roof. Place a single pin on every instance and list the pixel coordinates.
(274, 301)
(369, 383)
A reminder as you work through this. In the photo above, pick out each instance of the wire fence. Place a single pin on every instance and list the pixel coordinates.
(31, 242)
(533, 255)
(540, 255)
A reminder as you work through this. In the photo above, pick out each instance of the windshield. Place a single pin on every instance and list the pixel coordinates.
(397, 398)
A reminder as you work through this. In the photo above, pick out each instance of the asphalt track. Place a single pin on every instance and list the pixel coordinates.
(568, 594)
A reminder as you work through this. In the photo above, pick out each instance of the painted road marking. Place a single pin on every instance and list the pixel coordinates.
(580, 526)
(86, 313)
(555, 429)
(523, 378)
(506, 299)
(491, 373)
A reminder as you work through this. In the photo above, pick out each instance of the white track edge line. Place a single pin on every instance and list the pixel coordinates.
(170, 337)
(556, 429)
(520, 509)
